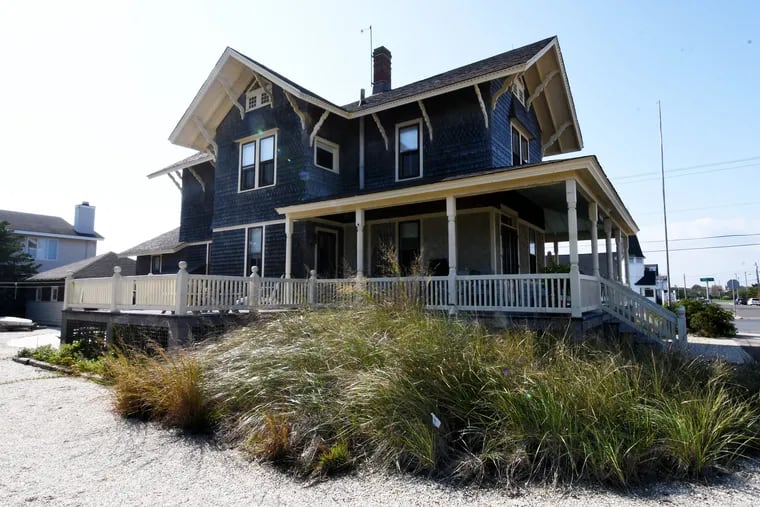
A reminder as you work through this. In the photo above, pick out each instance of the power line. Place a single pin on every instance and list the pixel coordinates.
(704, 247)
(687, 174)
(702, 237)
(686, 168)
(728, 205)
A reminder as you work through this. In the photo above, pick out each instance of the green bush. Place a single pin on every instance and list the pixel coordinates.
(79, 356)
(706, 319)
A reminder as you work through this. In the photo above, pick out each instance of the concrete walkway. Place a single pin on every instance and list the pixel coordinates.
(743, 348)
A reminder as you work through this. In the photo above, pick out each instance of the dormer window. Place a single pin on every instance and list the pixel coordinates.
(518, 90)
(256, 97)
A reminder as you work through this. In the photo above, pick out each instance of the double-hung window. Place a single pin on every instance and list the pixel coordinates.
(409, 150)
(42, 249)
(257, 161)
(520, 147)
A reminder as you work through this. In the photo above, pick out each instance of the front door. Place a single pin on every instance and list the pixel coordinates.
(508, 250)
(326, 254)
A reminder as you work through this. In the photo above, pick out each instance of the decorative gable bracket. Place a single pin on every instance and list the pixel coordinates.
(198, 179)
(176, 179)
(427, 119)
(381, 129)
(504, 88)
(541, 87)
(482, 104)
(556, 135)
(228, 90)
(207, 136)
(318, 126)
(294, 106)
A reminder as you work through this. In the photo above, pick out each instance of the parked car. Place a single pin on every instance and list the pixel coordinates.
(740, 301)
(753, 301)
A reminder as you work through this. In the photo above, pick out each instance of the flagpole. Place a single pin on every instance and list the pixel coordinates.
(664, 208)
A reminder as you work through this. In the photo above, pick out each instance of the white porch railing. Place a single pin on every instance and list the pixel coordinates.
(653, 320)
(529, 293)
(542, 293)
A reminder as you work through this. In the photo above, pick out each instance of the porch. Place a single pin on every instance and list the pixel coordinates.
(183, 294)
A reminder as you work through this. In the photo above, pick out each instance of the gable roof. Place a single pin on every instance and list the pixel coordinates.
(234, 71)
(165, 243)
(634, 248)
(95, 267)
(649, 278)
(31, 223)
(193, 160)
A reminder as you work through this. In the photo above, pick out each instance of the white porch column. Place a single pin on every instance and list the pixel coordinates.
(593, 216)
(608, 246)
(572, 226)
(288, 245)
(451, 215)
(619, 250)
(359, 243)
(627, 264)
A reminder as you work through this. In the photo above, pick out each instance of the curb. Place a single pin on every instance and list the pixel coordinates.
(39, 364)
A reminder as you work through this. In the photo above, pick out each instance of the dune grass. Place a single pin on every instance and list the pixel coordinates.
(325, 391)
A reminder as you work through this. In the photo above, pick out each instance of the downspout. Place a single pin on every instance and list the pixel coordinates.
(361, 153)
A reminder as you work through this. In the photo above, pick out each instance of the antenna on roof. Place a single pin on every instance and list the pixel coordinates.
(370, 51)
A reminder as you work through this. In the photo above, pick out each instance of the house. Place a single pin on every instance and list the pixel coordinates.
(304, 195)
(631, 273)
(52, 241)
(162, 254)
(45, 290)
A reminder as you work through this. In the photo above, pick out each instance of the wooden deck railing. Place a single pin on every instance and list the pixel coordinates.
(548, 293)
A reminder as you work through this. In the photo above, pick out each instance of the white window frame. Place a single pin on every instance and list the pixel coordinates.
(257, 92)
(523, 135)
(41, 248)
(332, 148)
(519, 90)
(160, 264)
(420, 138)
(53, 294)
(247, 230)
(257, 163)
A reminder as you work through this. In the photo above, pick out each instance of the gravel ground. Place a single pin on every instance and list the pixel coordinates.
(61, 444)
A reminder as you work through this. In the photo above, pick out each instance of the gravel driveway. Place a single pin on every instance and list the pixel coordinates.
(60, 444)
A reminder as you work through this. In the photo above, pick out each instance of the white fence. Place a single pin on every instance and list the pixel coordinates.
(530, 293)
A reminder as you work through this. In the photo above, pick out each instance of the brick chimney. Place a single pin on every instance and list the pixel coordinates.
(84, 218)
(382, 64)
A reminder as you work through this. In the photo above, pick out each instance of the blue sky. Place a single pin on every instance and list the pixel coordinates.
(91, 90)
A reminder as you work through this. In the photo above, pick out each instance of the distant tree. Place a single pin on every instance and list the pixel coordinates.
(15, 264)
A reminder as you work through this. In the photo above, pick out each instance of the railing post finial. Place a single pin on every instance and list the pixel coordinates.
(181, 290)
(115, 283)
(182, 266)
(312, 285)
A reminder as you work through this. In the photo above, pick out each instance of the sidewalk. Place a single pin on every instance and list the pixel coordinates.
(742, 348)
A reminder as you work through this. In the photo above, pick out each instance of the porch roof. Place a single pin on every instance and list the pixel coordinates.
(586, 171)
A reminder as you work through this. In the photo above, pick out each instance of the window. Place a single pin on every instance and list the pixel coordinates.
(408, 150)
(518, 90)
(155, 264)
(326, 155)
(54, 294)
(255, 250)
(257, 162)
(256, 97)
(42, 249)
(520, 147)
(408, 244)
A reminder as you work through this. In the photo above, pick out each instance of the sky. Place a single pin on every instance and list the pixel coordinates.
(90, 91)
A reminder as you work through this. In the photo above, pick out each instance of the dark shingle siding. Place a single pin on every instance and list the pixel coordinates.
(228, 253)
(197, 204)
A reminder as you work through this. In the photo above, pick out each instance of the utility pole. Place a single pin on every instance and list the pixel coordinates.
(757, 275)
(664, 209)
(684, 285)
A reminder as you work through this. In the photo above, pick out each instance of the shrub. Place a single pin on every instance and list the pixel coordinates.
(79, 356)
(322, 391)
(707, 319)
(164, 387)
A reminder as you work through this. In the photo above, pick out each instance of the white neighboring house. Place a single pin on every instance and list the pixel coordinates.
(52, 241)
(45, 291)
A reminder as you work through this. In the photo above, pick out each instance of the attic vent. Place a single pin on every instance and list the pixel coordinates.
(518, 90)
(256, 97)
